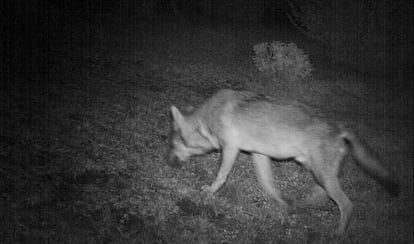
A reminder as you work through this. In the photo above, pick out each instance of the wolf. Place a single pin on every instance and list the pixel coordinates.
(234, 121)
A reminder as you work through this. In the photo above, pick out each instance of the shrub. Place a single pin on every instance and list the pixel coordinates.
(281, 60)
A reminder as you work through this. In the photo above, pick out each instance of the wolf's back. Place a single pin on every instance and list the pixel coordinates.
(221, 107)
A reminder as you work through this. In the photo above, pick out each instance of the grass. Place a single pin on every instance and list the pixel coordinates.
(83, 144)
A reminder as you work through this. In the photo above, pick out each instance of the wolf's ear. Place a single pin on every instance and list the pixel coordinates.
(177, 116)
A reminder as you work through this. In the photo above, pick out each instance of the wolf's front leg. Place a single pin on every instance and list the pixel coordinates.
(229, 157)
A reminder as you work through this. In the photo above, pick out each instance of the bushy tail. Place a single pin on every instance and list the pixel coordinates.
(369, 163)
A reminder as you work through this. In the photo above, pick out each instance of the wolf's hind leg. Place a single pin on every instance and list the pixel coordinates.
(326, 172)
(265, 176)
(318, 196)
(335, 191)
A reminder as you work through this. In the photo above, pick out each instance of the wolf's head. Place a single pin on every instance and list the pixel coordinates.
(186, 137)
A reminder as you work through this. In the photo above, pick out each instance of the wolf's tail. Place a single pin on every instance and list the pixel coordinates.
(369, 163)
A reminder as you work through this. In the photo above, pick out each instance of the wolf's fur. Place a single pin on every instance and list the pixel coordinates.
(235, 121)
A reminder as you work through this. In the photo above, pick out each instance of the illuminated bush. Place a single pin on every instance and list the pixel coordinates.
(281, 60)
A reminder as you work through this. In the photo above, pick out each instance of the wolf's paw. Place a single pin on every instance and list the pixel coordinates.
(207, 189)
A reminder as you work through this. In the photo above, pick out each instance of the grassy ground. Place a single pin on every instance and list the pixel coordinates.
(84, 132)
